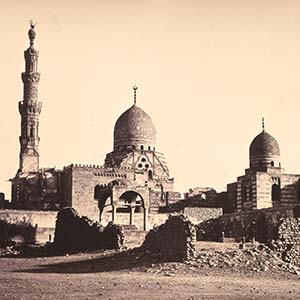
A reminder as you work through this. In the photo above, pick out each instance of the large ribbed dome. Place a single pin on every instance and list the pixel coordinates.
(264, 145)
(134, 128)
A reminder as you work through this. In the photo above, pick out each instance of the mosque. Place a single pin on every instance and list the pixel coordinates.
(134, 185)
(265, 183)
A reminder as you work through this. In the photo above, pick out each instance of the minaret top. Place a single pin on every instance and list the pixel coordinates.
(134, 93)
(31, 33)
(263, 123)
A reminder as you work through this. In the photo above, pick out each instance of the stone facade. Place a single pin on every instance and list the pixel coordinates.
(118, 194)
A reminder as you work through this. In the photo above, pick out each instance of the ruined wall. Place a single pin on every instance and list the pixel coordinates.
(138, 219)
(203, 197)
(44, 221)
(75, 233)
(287, 243)
(172, 241)
(260, 223)
(201, 214)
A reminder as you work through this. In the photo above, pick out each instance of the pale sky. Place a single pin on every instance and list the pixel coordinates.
(207, 71)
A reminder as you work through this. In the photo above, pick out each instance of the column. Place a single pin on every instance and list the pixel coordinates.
(145, 218)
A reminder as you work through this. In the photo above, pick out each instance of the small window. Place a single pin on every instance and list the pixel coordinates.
(272, 163)
(31, 132)
(133, 146)
(140, 165)
(149, 148)
(143, 159)
(146, 166)
(142, 147)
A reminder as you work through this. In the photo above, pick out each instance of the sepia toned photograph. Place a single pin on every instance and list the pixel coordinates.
(150, 150)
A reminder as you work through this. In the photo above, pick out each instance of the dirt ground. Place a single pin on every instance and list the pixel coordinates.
(116, 276)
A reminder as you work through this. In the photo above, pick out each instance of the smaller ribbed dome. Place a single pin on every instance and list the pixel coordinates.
(264, 145)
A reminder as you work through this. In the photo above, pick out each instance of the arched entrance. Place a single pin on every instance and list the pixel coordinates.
(102, 193)
(131, 210)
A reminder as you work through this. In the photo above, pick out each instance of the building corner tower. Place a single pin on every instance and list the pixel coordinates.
(30, 109)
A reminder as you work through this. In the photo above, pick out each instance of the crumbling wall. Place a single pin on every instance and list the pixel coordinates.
(15, 233)
(201, 214)
(287, 243)
(74, 233)
(261, 224)
(43, 221)
(172, 241)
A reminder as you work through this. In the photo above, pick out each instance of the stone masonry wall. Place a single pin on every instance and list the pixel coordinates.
(259, 223)
(44, 221)
(201, 214)
(172, 241)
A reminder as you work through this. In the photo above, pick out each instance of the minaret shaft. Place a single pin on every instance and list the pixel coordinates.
(30, 109)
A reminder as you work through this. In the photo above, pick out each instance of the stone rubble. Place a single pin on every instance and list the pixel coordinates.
(287, 244)
(257, 259)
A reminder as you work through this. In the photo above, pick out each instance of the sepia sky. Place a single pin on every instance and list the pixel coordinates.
(207, 71)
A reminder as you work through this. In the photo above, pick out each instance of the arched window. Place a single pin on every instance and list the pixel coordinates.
(31, 131)
(272, 163)
(276, 193)
(149, 148)
(142, 147)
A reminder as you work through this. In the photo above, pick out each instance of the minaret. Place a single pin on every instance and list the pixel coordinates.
(30, 109)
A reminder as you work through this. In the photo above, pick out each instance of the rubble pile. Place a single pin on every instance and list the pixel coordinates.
(9, 251)
(172, 241)
(74, 233)
(287, 244)
(256, 259)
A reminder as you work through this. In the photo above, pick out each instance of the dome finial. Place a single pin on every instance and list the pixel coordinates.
(263, 123)
(134, 93)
